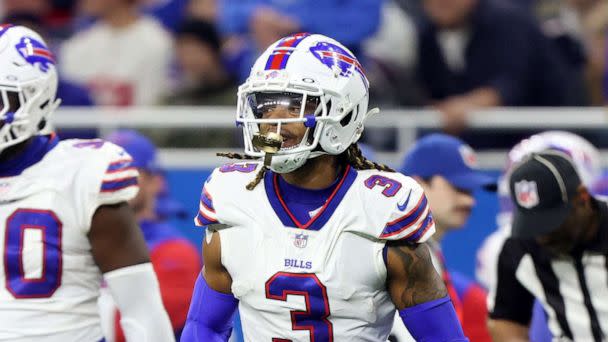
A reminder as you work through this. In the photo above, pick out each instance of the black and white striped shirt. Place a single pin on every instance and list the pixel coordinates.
(572, 289)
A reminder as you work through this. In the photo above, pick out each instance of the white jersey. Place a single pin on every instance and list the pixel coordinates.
(324, 280)
(49, 282)
(120, 67)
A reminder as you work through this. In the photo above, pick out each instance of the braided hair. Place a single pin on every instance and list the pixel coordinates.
(352, 156)
(355, 158)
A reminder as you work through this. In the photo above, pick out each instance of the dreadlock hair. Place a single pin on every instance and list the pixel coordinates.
(355, 158)
(352, 156)
(258, 176)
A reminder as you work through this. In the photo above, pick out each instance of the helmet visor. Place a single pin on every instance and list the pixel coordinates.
(10, 102)
(285, 104)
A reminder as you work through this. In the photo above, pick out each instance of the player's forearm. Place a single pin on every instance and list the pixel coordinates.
(211, 314)
(435, 320)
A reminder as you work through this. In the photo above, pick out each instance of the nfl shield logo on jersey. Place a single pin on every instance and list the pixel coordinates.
(526, 194)
(300, 240)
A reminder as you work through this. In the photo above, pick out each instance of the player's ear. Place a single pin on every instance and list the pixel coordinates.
(583, 197)
(158, 182)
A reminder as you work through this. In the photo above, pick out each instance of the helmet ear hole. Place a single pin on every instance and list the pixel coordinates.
(350, 117)
(347, 119)
(42, 124)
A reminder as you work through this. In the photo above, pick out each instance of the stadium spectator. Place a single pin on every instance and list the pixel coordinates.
(485, 53)
(265, 21)
(562, 22)
(204, 79)
(390, 59)
(447, 170)
(175, 260)
(596, 28)
(203, 9)
(123, 58)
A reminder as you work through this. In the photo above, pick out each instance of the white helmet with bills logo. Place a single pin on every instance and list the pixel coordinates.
(322, 85)
(28, 85)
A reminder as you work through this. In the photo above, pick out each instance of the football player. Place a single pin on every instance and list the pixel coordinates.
(314, 242)
(64, 222)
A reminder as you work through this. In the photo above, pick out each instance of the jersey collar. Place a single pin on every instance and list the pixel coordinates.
(323, 215)
(36, 150)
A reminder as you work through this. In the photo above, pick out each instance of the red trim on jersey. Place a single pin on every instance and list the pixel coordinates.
(320, 212)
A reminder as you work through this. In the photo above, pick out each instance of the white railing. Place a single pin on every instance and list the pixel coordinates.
(406, 121)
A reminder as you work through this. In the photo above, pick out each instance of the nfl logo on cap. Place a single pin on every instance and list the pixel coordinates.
(526, 193)
(468, 156)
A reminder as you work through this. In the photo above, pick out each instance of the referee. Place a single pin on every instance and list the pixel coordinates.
(558, 254)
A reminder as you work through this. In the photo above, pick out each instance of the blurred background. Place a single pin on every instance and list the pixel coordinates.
(491, 72)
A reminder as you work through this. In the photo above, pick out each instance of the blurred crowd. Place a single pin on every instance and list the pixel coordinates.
(452, 55)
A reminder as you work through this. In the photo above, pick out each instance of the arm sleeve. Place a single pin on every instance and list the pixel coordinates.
(143, 317)
(411, 218)
(433, 321)
(176, 264)
(210, 316)
(509, 299)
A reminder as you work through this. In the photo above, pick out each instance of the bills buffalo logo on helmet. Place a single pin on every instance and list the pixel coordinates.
(35, 52)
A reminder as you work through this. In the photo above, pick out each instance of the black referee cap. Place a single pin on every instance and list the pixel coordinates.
(542, 187)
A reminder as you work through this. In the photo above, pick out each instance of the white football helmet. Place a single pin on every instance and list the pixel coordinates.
(586, 159)
(321, 85)
(28, 85)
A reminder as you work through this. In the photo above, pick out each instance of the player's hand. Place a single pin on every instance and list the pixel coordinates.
(268, 25)
(454, 111)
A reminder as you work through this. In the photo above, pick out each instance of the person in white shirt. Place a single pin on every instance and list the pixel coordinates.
(123, 58)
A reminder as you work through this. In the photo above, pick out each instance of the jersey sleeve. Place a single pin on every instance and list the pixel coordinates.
(119, 181)
(107, 178)
(206, 211)
(411, 219)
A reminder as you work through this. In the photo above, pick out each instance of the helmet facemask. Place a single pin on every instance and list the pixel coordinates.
(21, 116)
(272, 121)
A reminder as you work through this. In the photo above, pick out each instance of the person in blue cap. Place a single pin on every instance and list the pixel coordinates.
(175, 260)
(446, 168)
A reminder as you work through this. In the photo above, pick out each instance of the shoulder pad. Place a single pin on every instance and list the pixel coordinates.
(217, 203)
(405, 211)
